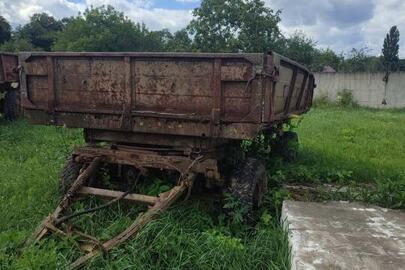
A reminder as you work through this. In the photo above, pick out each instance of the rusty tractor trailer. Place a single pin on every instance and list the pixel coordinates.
(181, 113)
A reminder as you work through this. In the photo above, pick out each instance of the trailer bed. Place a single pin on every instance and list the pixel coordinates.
(230, 96)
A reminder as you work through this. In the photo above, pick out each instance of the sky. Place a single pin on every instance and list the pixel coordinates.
(336, 24)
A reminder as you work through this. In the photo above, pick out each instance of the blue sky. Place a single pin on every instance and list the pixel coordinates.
(336, 24)
(167, 4)
(172, 4)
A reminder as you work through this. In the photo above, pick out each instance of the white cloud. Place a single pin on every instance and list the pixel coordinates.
(387, 14)
(343, 24)
(17, 12)
(143, 11)
(121, 4)
(338, 24)
(158, 18)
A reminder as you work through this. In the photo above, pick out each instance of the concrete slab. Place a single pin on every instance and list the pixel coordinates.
(340, 235)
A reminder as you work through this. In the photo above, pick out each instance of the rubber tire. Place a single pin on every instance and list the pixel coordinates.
(68, 174)
(249, 184)
(287, 146)
(10, 105)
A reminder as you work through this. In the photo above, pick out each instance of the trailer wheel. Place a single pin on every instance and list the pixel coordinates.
(10, 105)
(68, 174)
(287, 146)
(249, 184)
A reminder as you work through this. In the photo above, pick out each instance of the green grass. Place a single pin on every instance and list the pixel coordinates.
(353, 146)
(369, 143)
(361, 148)
(189, 236)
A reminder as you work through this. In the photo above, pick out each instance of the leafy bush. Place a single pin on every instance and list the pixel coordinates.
(322, 100)
(345, 99)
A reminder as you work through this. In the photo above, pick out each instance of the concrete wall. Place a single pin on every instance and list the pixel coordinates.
(368, 89)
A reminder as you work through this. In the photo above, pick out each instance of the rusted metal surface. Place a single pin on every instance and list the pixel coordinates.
(42, 229)
(8, 68)
(156, 158)
(106, 193)
(165, 200)
(9, 78)
(227, 96)
(180, 142)
(57, 221)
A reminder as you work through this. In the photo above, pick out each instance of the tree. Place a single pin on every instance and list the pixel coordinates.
(356, 60)
(5, 30)
(180, 41)
(300, 48)
(40, 31)
(17, 44)
(154, 41)
(359, 60)
(232, 26)
(401, 65)
(105, 29)
(327, 58)
(390, 50)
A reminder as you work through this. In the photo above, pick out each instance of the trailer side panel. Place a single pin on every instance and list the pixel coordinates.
(230, 96)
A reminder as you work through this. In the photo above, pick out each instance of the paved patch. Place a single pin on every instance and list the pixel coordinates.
(340, 235)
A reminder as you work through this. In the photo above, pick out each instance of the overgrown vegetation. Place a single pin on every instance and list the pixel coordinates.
(344, 99)
(345, 153)
(350, 153)
(192, 235)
